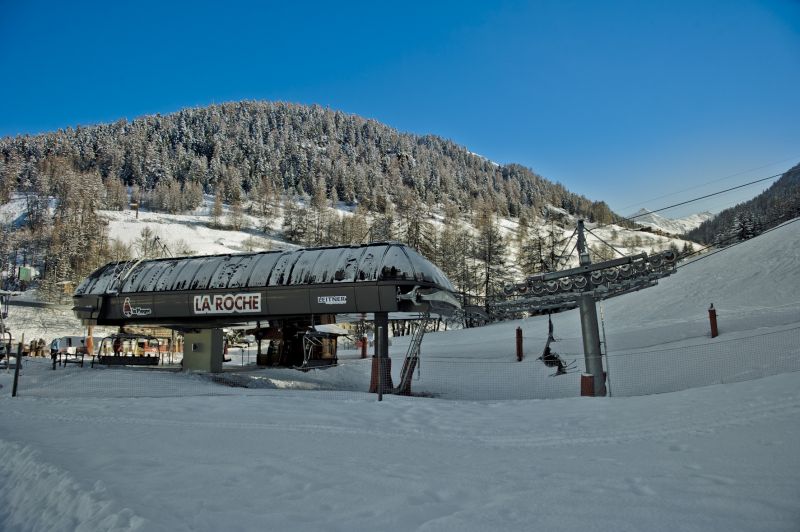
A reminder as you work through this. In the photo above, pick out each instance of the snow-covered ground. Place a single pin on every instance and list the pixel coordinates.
(193, 234)
(673, 226)
(719, 457)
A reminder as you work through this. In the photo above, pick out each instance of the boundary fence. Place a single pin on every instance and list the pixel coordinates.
(632, 373)
(716, 362)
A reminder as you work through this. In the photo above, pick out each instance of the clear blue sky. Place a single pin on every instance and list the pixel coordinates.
(621, 101)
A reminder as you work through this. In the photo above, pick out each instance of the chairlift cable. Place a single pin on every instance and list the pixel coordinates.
(715, 180)
(561, 255)
(604, 242)
(731, 245)
(735, 237)
(631, 218)
(567, 256)
(706, 196)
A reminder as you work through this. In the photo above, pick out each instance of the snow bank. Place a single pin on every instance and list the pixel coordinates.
(720, 457)
(724, 455)
(37, 495)
(753, 284)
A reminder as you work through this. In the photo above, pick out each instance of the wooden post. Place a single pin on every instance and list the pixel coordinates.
(519, 344)
(587, 385)
(712, 317)
(90, 341)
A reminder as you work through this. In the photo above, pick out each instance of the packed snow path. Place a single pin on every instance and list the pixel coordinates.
(714, 458)
(721, 457)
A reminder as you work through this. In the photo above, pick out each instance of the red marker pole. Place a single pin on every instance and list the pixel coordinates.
(712, 317)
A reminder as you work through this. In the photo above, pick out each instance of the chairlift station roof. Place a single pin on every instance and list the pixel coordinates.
(216, 290)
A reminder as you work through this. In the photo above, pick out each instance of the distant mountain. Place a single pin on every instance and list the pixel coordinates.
(240, 149)
(779, 203)
(677, 226)
(270, 161)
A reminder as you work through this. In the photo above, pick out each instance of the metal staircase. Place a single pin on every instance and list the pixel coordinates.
(412, 356)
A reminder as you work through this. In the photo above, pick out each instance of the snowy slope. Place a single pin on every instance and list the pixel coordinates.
(754, 283)
(194, 229)
(677, 226)
(290, 461)
(720, 457)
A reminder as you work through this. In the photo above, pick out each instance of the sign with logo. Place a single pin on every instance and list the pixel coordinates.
(129, 310)
(227, 303)
(332, 300)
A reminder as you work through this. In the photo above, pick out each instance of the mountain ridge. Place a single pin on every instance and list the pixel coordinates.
(233, 148)
(672, 226)
(778, 203)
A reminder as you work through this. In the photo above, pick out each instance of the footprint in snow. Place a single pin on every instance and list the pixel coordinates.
(638, 487)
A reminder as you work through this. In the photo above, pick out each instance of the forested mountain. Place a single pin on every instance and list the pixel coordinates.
(240, 148)
(275, 161)
(779, 203)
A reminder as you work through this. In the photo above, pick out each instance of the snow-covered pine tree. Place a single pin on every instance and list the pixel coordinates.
(216, 211)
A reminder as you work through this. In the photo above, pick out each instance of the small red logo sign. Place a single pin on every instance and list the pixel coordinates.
(128, 310)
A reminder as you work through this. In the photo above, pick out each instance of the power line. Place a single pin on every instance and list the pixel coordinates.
(731, 245)
(604, 242)
(706, 196)
(712, 181)
(631, 218)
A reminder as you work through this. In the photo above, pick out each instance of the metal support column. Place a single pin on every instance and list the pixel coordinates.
(381, 363)
(589, 327)
(16, 368)
(591, 343)
(382, 330)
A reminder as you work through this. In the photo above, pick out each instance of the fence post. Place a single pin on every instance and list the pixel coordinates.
(712, 317)
(605, 350)
(16, 370)
(519, 344)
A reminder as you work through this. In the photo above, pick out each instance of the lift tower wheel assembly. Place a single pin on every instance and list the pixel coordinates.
(582, 287)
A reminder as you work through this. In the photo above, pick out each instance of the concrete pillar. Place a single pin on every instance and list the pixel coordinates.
(203, 350)
(591, 343)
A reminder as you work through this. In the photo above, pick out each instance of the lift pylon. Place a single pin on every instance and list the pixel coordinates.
(582, 287)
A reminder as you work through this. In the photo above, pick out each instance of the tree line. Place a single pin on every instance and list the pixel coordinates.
(268, 160)
(779, 203)
(298, 149)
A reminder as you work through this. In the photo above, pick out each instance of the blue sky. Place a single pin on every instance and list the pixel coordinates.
(635, 103)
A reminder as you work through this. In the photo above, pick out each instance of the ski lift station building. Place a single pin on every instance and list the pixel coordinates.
(279, 293)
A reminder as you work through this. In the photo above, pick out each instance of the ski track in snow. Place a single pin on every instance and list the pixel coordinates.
(43, 496)
(720, 457)
(420, 423)
(681, 430)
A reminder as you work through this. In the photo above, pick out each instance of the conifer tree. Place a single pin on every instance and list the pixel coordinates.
(236, 218)
(216, 211)
(265, 201)
(116, 195)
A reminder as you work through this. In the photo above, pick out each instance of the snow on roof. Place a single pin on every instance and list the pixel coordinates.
(371, 262)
